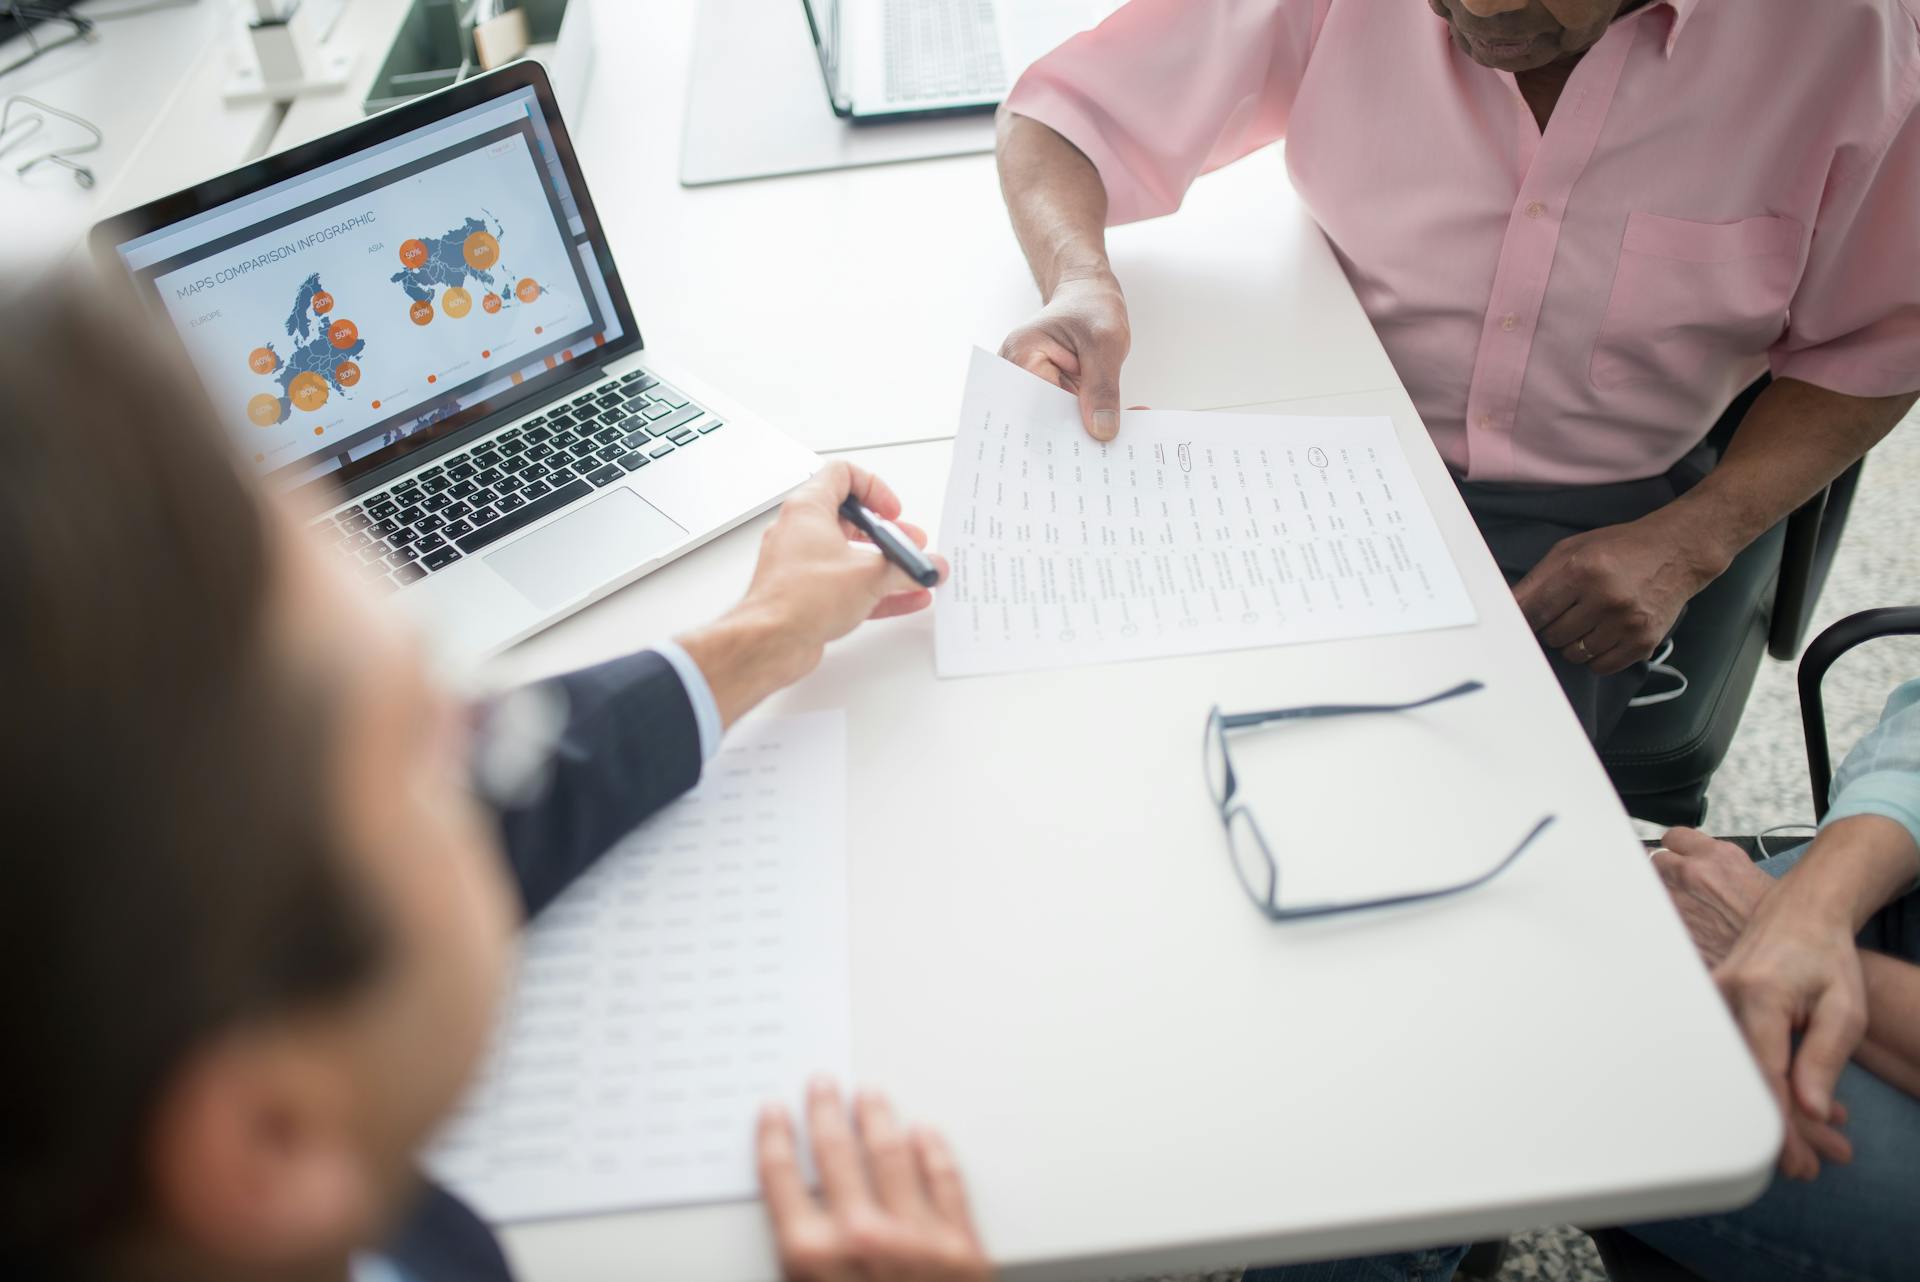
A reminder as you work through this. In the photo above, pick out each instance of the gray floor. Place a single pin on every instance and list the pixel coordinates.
(1764, 780)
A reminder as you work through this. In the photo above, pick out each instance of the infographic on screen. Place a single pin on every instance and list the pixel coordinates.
(337, 330)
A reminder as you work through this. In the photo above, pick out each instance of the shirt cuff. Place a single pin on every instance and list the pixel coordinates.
(1890, 794)
(1838, 367)
(1128, 199)
(706, 712)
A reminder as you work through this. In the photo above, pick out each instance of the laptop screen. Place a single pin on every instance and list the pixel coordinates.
(823, 16)
(343, 316)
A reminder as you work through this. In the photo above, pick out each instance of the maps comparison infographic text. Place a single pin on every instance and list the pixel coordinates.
(360, 328)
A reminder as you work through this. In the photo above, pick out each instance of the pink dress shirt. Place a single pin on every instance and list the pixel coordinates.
(1724, 185)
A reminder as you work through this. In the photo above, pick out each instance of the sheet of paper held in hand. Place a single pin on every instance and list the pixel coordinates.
(1192, 532)
(697, 971)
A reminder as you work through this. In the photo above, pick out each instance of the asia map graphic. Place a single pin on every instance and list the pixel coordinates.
(469, 250)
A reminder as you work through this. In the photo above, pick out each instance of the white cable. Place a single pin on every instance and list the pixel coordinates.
(1761, 838)
(1658, 665)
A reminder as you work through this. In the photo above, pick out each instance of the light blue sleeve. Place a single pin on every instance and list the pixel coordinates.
(1881, 776)
(375, 1268)
(706, 712)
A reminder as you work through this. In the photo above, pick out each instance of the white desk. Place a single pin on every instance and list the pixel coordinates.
(1052, 959)
(152, 82)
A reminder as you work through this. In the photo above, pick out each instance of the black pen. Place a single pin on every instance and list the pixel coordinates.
(897, 547)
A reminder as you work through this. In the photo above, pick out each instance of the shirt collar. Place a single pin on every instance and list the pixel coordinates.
(1682, 10)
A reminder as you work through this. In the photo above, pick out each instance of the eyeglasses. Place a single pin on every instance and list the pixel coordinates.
(1253, 859)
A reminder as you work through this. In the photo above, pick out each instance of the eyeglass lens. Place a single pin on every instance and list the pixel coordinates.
(1251, 859)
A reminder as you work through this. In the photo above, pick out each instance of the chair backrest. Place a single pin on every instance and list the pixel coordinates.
(1813, 537)
(1822, 652)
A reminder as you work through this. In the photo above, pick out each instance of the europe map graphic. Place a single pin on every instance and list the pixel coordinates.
(322, 361)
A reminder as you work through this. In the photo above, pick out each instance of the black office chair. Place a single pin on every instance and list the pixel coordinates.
(1661, 756)
(1824, 651)
(1627, 1259)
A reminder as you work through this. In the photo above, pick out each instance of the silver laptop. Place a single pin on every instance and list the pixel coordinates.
(417, 321)
(901, 59)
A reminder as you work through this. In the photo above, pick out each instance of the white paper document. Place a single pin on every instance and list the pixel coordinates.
(697, 971)
(1192, 532)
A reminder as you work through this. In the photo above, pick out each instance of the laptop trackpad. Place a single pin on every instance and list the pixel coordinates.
(562, 562)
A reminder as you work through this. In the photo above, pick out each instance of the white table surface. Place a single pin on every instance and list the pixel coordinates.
(1051, 957)
(1053, 961)
(152, 82)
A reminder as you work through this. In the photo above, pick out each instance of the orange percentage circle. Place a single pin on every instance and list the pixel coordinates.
(308, 391)
(481, 250)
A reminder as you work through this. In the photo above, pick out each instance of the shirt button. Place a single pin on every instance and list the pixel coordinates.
(1486, 422)
(1508, 321)
(1535, 209)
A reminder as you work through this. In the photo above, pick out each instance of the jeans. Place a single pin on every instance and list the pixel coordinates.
(1855, 1223)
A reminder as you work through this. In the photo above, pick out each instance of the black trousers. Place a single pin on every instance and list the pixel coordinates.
(1521, 523)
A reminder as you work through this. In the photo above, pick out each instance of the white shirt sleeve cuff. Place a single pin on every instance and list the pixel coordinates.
(706, 712)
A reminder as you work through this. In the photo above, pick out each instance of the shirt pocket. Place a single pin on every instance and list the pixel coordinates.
(1689, 296)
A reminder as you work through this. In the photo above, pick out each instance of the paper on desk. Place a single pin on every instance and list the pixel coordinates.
(697, 971)
(1192, 532)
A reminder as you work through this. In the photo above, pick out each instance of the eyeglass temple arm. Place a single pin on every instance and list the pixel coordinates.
(1241, 720)
(1308, 911)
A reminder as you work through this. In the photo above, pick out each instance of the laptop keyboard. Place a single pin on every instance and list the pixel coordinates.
(431, 519)
(940, 49)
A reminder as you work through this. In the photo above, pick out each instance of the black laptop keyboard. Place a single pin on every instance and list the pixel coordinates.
(942, 49)
(430, 519)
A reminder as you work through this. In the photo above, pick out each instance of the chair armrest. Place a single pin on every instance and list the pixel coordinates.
(1813, 536)
(1822, 653)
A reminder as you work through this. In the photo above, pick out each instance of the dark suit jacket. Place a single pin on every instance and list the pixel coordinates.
(630, 746)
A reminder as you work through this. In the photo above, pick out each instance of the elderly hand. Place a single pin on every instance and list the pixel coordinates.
(1795, 972)
(1610, 596)
(892, 1207)
(1079, 341)
(1786, 965)
(1715, 887)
